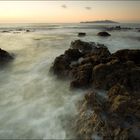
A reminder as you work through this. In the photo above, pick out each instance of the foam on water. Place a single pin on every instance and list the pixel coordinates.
(34, 103)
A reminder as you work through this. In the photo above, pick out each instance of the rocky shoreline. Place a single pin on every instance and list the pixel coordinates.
(91, 65)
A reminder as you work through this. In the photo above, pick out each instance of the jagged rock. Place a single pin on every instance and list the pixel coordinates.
(73, 54)
(84, 47)
(5, 56)
(62, 63)
(90, 64)
(128, 55)
(82, 76)
(111, 73)
(104, 34)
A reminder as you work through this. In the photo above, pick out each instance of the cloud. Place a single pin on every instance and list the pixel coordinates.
(64, 6)
(88, 8)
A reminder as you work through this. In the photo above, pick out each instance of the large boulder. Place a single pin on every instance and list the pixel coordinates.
(5, 56)
(103, 34)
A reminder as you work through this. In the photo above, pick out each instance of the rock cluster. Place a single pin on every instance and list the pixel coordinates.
(90, 64)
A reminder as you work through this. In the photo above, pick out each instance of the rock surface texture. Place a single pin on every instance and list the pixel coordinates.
(117, 115)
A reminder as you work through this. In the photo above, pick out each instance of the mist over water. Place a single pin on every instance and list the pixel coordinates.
(33, 102)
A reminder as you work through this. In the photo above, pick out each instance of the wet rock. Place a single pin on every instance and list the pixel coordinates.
(92, 65)
(81, 34)
(5, 56)
(84, 47)
(62, 63)
(128, 55)
(61, 66)
(82, 76)
(73, 54)
(111, 73)
(104, 34)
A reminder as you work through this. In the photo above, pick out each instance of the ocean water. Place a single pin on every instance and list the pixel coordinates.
(33, 102)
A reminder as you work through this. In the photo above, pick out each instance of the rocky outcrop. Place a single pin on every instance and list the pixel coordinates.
(103, 34)
(117, 115)
(5, 56)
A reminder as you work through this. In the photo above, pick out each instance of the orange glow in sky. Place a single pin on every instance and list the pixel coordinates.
(68, 11)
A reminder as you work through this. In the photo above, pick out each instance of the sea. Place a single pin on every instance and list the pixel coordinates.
(34, 103)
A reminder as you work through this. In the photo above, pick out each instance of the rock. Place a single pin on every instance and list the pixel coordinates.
(27, 30)
(5, 56)
(84, 47)
(128, 55)
(116, 90)
(108, 74)
(62, 63)
(123, 102)
(99, 52)
(104, 34)
(61, 66)
(73, 54)
(82, 76)
(81, 34)
(92, 65)
(5, 31)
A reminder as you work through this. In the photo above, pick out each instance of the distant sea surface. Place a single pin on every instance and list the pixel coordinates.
(33, 102)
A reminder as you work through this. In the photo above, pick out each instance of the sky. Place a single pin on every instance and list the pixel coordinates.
(68, 11)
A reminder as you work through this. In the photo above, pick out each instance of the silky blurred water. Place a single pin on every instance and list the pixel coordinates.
(33, 102)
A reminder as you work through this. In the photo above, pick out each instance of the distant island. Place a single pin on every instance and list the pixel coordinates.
(100, 21)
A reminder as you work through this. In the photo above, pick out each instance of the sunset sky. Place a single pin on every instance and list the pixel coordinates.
(68, 11)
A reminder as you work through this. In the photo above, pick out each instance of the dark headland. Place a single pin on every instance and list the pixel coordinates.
(100, 21)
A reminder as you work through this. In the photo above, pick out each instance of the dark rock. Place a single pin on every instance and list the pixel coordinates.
(111, 73)
(81, 34)
(61, 66)
(5, 31)
(27, 30)
(62, 63)
(82, 76)
(104, 34)
(5, 56)
(128, 55)
(73, 54)
(84, 47)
